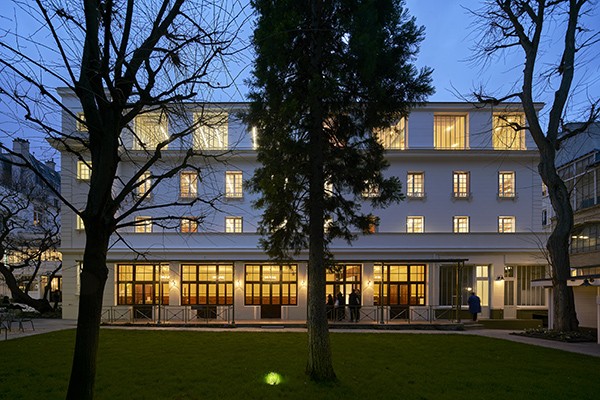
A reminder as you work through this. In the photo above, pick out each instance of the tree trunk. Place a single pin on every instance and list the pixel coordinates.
(319, 366)
(41, 305)
(565, 317)
(93, 281)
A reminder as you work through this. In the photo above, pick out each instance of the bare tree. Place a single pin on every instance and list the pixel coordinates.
(508, 25)
(121, 59)
(29, 231)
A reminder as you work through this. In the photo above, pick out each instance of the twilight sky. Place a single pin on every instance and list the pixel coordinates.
(447, 47)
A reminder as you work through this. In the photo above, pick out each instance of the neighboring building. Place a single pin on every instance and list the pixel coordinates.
(578, 163)
(21, 189)
(473, 202)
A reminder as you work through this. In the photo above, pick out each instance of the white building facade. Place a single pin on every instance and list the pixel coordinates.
(473, 204)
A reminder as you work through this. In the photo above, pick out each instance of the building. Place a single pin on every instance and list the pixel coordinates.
(578, 163)
(473, 205)
(35, 215)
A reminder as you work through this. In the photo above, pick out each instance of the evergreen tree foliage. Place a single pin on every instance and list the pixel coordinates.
(327, 75)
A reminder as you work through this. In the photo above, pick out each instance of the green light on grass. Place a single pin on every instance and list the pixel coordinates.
(273, 378)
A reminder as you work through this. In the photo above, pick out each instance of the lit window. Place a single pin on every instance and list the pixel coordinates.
(188, 184)
(414, 224)
(144, 184)
(506, 184)
(254, 133)
(233, 185)
(415, 184)
(509, 132)
(372, 190)
(450, 132)
(394, 137)
(80, 123)
(143, 225)
(84, 170)
(189, 225)
(328, 188)
(233, 224)
(461, 224)
(482, 283)
(544, 189)
(79, 223)
(211, 131)
(372, 225)
(506, 224)
(38, 215)
(460, 184)
(150, 130)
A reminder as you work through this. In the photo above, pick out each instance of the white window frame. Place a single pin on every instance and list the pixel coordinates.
(151, 129)
(234, 224)
(395, 136)
(506, 224)
(370, 191)
(80, 125)
(450, 131)
(144, 184)
(412, 184)
(188, 187)
(461, 224)
(79, 225)
(507, 190)
(504, 134)
(143, 224)
(188, 225)
(84, 171)
(211, 131)
(461, 184)
(234, 185)
(415, 224)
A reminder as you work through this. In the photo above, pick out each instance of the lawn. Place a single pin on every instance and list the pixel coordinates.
(232, 365)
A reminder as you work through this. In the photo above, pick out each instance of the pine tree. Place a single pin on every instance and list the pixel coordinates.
(327, 74)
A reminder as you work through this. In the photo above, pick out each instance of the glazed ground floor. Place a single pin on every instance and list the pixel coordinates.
(394, 288)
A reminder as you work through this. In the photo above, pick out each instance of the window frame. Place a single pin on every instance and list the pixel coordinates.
(503, 193)
(456, 224)
(150, 128)
(461, 184)
(84, 171)
(238, 222)
(504, 137)
(412, 184)
(211, 130)
(411, 227)
(258, 277)
(143, 224)
(188, 189)
(199, 282)
(446, 136)
(188, 225)
(506, 221)
(394, 137)
(234, 185)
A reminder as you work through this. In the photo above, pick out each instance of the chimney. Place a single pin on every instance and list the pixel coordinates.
(51, 164)
(21, 146)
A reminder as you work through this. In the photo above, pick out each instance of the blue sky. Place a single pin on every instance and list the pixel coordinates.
(447, 47)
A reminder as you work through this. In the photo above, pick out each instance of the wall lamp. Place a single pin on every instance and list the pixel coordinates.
(499, 278)
(587, 282)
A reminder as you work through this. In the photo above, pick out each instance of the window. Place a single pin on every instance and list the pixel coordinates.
(414, 224)
(450, 132)
(143, 225)
(509, 132)
(211, 131)
(460, 184)
(234, 185)
(189, 225)
(254, 133)
(79, 223)
(471, 278)
(372, 190)
(38, 216)
(403, 285)
(343, 278)
(84, 170)
(151, 129)
(372, 224)
(144, 183)
(506, 184)
(143, 284)
(233, 224)
(415, 184)
(461, 224)
(544, 217)
(206, 284)
(585, 238)
(506, 224)
(394, 137)
(80, 123)
(271, 284)
(517, 285)
(188, 184)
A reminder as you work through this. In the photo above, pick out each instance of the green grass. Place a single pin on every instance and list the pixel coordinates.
(232, 365)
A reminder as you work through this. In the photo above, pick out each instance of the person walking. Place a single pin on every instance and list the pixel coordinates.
(474, 305)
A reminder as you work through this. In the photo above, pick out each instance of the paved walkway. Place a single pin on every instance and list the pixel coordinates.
(51, 325)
